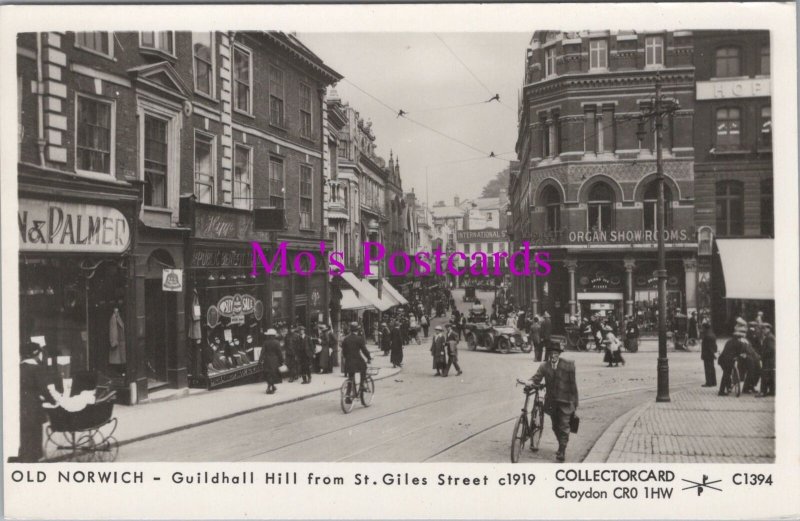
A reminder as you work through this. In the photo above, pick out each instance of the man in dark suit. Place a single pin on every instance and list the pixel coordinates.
(547, 330)
(304, 354)
(353, 346)
(708, 353)
(768, 359)
(561, 398)
(452, 350)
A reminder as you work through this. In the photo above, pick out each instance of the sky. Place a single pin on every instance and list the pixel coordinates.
(422, 74)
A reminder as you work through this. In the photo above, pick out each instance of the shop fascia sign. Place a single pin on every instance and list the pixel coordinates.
(55, 226)
(675, 235)
(480, 235)
(733, 89)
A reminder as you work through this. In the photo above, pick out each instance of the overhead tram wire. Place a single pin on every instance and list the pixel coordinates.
(472, 73)
(402, 113)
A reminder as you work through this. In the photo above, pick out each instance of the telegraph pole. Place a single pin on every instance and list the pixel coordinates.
(662, 393)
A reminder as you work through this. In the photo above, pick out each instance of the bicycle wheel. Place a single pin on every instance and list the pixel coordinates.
(538, 425)
(736, 382)
(519, 438)
(367, 391)
(346, 397)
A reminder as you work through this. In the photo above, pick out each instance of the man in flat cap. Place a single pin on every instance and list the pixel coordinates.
(353, 347)
(768, 361)
(561, 398)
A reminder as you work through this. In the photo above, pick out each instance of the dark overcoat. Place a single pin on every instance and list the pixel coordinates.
(353, 346)
(271, 361)
(560, 383)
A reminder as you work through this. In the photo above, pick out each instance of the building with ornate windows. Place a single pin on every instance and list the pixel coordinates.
(733, 174)
(585, 190)
(143, 160)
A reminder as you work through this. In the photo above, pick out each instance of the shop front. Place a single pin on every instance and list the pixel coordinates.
(75, 273)
(609, 278)
(226, 305)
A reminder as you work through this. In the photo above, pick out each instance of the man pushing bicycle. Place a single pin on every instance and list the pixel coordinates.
(561, 399)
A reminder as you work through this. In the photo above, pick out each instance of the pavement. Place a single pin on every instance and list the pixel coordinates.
(200, 407)
(695, 426)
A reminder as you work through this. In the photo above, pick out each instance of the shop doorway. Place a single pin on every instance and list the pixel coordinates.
(159, 324)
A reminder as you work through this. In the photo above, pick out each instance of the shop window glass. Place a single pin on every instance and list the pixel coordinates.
(601, 207)
(155, 161)
(93, 149)
(730, 208)
(727, 62)
(651, 206)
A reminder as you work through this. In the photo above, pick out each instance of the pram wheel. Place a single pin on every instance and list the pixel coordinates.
(69, 446)
(106, 451)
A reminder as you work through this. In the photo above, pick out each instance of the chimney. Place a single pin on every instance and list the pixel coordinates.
(456, 201)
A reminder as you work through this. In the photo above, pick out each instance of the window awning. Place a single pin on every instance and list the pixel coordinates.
(367, 292)
(748, 266)
(351, 301)
(394, 293)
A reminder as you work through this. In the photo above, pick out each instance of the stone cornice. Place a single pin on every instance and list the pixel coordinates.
(609, 79)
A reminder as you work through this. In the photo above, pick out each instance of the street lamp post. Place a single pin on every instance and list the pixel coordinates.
(662, 393)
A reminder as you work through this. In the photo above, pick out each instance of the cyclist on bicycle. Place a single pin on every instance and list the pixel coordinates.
(353, 346)
(561, 399)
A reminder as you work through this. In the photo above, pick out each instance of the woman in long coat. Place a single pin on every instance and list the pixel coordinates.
(396, 344)
(271, 360)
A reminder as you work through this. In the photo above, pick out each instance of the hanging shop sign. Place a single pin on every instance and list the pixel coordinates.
(172, 279)
(71, 227)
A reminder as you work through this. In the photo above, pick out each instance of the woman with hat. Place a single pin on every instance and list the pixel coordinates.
(271, 360)
(612, 346)
(438, 351)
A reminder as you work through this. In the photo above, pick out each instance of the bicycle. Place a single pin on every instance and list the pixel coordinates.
(528, 429)
(366, 391)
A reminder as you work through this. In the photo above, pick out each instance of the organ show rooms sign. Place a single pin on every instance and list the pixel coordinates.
(71, 227)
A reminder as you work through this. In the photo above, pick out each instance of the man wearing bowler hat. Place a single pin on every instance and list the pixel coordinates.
(561, 398)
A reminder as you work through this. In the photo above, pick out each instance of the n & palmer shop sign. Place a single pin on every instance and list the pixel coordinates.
(588, 237)
(53, 226)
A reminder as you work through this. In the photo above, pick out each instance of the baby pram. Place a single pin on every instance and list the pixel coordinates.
(81, 426)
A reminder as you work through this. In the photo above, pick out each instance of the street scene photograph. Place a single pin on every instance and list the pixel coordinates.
(425, 247)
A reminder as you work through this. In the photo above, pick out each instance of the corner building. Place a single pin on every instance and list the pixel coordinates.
(585, 191)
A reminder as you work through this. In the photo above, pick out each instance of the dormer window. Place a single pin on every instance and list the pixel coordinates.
(158, 41)
(550, 62)
(598, 54)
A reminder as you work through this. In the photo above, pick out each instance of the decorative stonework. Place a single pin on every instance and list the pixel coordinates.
(226, 140)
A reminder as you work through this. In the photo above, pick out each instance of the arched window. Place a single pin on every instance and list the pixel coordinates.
(727, 62)
(651, 206)
(730, 208)
(552, 204)
(601, 207)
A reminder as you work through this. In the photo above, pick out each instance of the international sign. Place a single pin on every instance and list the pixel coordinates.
(494, 235)
(71, 227)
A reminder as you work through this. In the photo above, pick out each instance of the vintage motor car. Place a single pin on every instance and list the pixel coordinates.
(496, 338)
(477, 313)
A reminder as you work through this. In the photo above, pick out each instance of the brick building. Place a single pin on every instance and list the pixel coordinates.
(585, 190)
(149, 153)
(733, 173)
